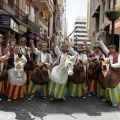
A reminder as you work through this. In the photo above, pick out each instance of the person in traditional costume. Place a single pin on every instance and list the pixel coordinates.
(30, 56)
(114, 56)
(23, 46)
(58, 90)
(2, 83)
(42, 57)
(78, 90)
(13, 90)
(93, 84)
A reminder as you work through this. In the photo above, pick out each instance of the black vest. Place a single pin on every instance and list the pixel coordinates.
(11, 60)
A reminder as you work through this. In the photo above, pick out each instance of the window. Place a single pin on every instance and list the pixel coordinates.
(45, 32)
(27, 9)
(41, 29)
(32, 14)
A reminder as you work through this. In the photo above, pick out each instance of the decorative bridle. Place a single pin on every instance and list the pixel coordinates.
(41, 73)
(96, 69)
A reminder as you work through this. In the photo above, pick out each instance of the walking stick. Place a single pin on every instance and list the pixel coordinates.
(71, 33)
(8, 38)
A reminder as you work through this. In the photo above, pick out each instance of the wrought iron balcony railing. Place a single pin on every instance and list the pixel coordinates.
(14, 10)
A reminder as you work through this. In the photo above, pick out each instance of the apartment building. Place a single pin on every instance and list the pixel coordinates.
(96, 21)
(32, 19)
(80, 34)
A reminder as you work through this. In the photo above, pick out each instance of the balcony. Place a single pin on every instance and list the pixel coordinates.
(34, 27)
(43, 20)
(59, 24)
(14, 10)
(96, 8)
(46, 7)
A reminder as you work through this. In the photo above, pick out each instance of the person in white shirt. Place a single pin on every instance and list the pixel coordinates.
(93, 85)
(23, 47)
(114, 57)
(79, 55)
(42, 57)
(61, 53)
(12, 90)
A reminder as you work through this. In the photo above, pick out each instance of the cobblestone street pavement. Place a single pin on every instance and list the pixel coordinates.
(91, 108)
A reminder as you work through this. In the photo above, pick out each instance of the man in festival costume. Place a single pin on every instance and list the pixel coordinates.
(42, 57)
(114, 57)
(14, 91)
(53, 88)
(29, 55)
(2, 53)
(77, 90)
(93, 84)
(23, 46)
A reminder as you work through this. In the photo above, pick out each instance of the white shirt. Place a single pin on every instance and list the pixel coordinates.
(43, 56)
(81, 56)
(16, 56)
(60, 54)
(106, 51)
(23, 50)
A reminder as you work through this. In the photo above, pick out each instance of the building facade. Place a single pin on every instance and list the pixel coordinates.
(32, 19)
(97, 21)
(80, 34)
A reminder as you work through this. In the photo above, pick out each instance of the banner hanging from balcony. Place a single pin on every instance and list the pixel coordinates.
(7, 21)
(117, 25)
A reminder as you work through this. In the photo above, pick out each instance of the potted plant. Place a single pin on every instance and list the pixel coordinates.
(113, 14)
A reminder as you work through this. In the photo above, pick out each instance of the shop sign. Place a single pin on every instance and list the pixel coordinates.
(14, 25)
(4, 21)
(7, 22)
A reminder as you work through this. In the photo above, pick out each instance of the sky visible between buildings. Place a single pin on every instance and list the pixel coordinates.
(75, 8)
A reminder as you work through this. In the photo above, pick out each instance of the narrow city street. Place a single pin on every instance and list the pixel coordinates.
(62, 48)
(91, 108)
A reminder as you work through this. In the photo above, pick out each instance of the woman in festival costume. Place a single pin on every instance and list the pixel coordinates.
(15, 89)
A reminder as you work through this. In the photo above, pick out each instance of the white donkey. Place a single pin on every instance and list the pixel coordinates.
(59, 73)
(16, 75)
